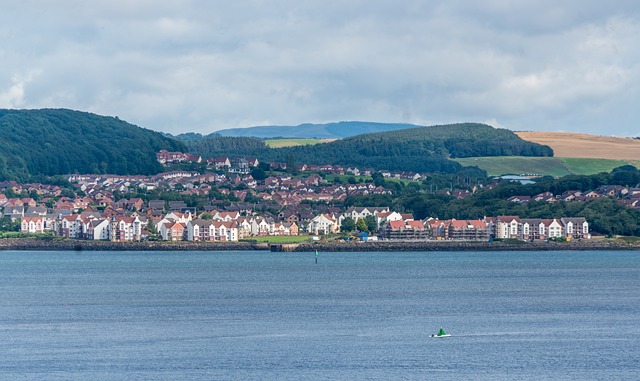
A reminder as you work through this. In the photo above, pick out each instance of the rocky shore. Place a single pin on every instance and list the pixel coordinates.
(68, 244)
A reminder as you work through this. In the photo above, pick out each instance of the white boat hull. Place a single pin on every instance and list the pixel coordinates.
(439, 336)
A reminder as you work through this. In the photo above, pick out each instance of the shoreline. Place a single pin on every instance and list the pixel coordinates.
(35, 244)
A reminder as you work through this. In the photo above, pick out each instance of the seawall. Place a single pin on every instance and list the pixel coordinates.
(79, 245)
(462, 246)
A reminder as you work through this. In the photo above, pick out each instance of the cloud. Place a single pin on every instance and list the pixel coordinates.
(201, 66)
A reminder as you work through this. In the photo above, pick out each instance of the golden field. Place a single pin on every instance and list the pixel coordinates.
(575, 145)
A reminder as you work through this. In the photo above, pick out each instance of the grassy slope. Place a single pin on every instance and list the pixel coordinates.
(548, 166)
(591, 166)
(279, 143)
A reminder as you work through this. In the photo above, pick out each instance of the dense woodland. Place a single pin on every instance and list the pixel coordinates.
(57, 141)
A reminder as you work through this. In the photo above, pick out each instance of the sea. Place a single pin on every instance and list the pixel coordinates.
(257, 315)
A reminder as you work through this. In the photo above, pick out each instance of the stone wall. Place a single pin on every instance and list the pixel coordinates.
(69, 244)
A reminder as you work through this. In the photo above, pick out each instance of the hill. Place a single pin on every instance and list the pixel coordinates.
(320, 131)
(574, 145)
(59, 141)
(422, 149)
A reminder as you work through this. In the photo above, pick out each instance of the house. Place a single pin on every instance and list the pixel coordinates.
(193, 158)
(15, 213)
(32, 224)
(177, 205)
(156, 204)
(461, 193)
(172, 231)
(219, 163)
(356, 212)
(97, 229)
(553, 228)
(244, 227)
(226, 216)
(405, 230)
(279, 229)
(201, 230)
(226, 231)
(468, 230)
(506, 227)
(165, 157)
(293, 228)
(577, 228)
(125, 229)
(260, 227)
(384, 217)
(519, 199)
(69, 226)
(545, 196)
(29, 202)
(323, 224)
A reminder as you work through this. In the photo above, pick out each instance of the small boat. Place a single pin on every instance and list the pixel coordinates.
(441, 333)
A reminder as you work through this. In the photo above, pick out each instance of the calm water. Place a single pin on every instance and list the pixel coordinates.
(352, 316)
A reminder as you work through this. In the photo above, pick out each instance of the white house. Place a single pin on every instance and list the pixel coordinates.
(32, 225)
(201, 230)
(323, 224)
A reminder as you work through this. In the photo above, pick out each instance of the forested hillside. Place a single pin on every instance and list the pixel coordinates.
(216, 146)
(424, 149)
(59, 141)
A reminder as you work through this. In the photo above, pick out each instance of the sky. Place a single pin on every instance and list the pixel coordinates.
(201, 66)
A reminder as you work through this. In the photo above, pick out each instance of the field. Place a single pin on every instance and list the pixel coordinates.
(545, 166)
(573, 145)
(575, 154)
(280, 143)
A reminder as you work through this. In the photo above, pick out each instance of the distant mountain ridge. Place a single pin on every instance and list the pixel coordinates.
(338, 130)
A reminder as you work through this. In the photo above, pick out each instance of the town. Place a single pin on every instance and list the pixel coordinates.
(242, 207)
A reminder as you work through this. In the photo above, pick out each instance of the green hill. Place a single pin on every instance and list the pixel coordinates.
(423, 149)
(59, 141)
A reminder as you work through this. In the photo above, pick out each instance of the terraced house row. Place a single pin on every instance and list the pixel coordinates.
(501, 227)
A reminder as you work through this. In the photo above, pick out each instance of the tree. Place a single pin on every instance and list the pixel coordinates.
(378, 179)
(264, 166)
(347, 225)
(6, 225)
(258, 174)
(66, 192)
(292, 166)
(362, 225)
(372, 225)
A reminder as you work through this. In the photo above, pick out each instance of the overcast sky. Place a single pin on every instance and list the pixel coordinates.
(200, 66)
